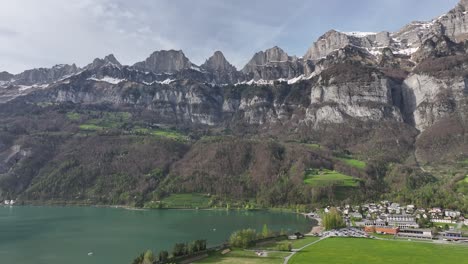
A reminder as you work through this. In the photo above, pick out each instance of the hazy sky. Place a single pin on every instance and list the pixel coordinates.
(42, 33)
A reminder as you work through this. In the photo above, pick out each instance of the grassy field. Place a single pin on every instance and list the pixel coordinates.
(99, 121)
(302, 242)
(102, 120)
(367, 251)
(174, 135)
(186, 200)
(349, 160)
(383, 236)
(295, 243)
(327, 178)
(73, 116)
(245, 257)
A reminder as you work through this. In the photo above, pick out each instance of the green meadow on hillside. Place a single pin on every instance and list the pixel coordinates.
(324, 177)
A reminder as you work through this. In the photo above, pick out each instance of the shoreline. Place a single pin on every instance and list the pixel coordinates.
(314, 223)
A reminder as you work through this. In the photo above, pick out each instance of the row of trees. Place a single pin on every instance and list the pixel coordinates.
(179, 250)
(246, 237)
(333, 219)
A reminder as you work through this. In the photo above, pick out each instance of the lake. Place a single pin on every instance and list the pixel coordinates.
(57, 235)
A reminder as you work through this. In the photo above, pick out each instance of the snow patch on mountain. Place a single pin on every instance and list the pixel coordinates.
(359, 34)
(107, 79)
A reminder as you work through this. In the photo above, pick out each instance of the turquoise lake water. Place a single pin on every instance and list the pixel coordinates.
(57, 235)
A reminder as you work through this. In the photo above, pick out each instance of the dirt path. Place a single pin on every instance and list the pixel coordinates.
(294, 251)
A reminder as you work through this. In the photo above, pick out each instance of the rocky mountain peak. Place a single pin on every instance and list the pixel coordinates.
(333, 40)
(217, 62)
(165, 61)
(111, 59)
(5, 76)
(463, 4)
(438, 46)
(108, 60)
(263, 58)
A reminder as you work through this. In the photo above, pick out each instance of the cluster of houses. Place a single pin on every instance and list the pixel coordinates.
(402, 220)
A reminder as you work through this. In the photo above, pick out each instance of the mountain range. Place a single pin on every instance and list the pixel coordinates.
(396, 100)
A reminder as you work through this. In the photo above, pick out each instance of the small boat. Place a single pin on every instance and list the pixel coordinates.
(90, 253)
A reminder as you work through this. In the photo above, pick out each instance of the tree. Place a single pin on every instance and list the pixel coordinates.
(148, 258)
(332, 220)
(243, 238)
(200, 245)
(179, 249)
(192, 247)
(163, 255)
(265, 231)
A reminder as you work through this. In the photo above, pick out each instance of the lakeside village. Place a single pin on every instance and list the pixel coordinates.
(401, 221)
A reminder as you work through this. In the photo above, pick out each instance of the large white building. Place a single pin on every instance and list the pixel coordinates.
(402, 221)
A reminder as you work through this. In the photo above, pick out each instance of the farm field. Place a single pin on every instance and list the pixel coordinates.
(321, 178)
(367, 251)
(349, 160)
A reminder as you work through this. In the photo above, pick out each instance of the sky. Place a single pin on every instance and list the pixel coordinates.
(43, 33)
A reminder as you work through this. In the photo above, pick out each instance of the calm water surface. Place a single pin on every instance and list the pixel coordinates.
(57, 235)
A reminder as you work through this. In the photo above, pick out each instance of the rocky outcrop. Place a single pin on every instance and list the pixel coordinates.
(221, 70)
(5, 76)
(108, 60)
(334, 40)
(44, 75)
(165, 61)
(364, 94)
(274, 64)
(429, 99)
(455, 23)
(438, 46)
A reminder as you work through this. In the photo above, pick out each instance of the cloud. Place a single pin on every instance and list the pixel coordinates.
(47, 32)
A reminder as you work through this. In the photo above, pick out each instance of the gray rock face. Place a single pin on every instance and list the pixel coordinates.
(45, 75)
(455, 23)
(108, 60)
(438, 46)
(6, 76)
(274, 64)
(165, 61)
(222, 71)
(428, 99)
(334, 40)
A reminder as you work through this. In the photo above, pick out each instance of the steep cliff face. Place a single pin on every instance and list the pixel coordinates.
(429, 99)
(334, 40)
(274, 64)
(165, 61)
(455, 23)
(44, 75)
(357, 93)
(221, 70)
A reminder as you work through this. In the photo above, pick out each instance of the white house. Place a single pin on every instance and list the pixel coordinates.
(452, 214)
